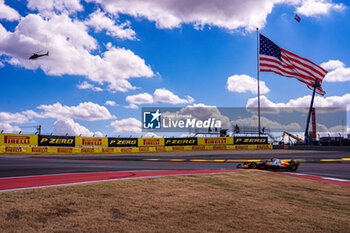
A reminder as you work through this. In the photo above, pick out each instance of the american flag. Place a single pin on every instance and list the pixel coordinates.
(282, 62)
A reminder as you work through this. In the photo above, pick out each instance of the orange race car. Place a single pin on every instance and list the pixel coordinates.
(272, 164)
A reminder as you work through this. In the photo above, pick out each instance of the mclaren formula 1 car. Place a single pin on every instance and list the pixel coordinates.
(272, 164)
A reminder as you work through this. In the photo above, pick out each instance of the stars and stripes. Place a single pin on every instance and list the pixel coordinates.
(282, 62)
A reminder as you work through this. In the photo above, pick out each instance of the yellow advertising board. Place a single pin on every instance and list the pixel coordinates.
(18, 139)
(215, 141)
(151, 142)
(91, 141)
(220, 147)
(14, 150)
(107, 150)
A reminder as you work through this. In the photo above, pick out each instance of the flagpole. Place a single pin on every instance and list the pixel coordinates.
(307, 139)
(258, 74)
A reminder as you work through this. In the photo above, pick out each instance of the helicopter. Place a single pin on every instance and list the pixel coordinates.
(37, 55)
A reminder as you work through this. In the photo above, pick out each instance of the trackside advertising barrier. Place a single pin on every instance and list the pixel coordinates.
(49, 140)
(17, 143)
(151, 142)
(249, 140)
(18, 139)
(122, 142)
(91, 141)
(180, 141)
(215, 141)
(118, 150)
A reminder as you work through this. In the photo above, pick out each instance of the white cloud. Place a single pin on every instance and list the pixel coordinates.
(129, 125)
(8, 128)
(7, 12)
(230, 14)
(71, 49)
(165, 96)
(111, 103)
(187, 135)
(135, 100)
(150, 135)
(48, 7)
(318, 7)
(332, 65)
(328, 102)
(338, 71)
(85, 111)
(99, 21)
(72, 128)
(244, 83)
(8, 119)
(161, 95)
(86, 85)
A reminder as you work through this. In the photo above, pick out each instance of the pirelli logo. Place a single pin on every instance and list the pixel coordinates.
(13, 149)
(126, 150)
(65, 150)
(242, 147)
(180, 141)
(219, 147)
(39, 149)
(178, 148)
(160, 148)
(92, 141)
(107, 150)
(198, 147)
(17, 140)
(49, 140)
(122, 142)
(250, 140)
(144, 149)
(151, 142)
(57, 141)
(215, 141)
(87, 150)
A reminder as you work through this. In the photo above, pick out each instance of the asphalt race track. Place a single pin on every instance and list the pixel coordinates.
(326, 163)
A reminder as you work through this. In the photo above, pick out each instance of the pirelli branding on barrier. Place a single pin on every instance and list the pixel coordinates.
(65, 150)
(48, 140)
(122, 142)
(198, 147)
(215, 141)
(151, 142)
(40, 150)
(91, 141)
(180, 141)
(144, 149)
(250, 140)
(17, 139)
(160, 149)
(87, 150)
(13, 150)
(126, 150)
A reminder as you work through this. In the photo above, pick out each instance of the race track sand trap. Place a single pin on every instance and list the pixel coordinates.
(237, 202)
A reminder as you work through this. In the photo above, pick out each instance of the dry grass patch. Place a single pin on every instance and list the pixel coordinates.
(237, 202)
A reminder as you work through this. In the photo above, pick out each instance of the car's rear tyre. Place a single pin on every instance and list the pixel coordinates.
(262, 166)
(293, 166)
(253, 166)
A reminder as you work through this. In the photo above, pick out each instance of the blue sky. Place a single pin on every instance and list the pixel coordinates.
(110, 58)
